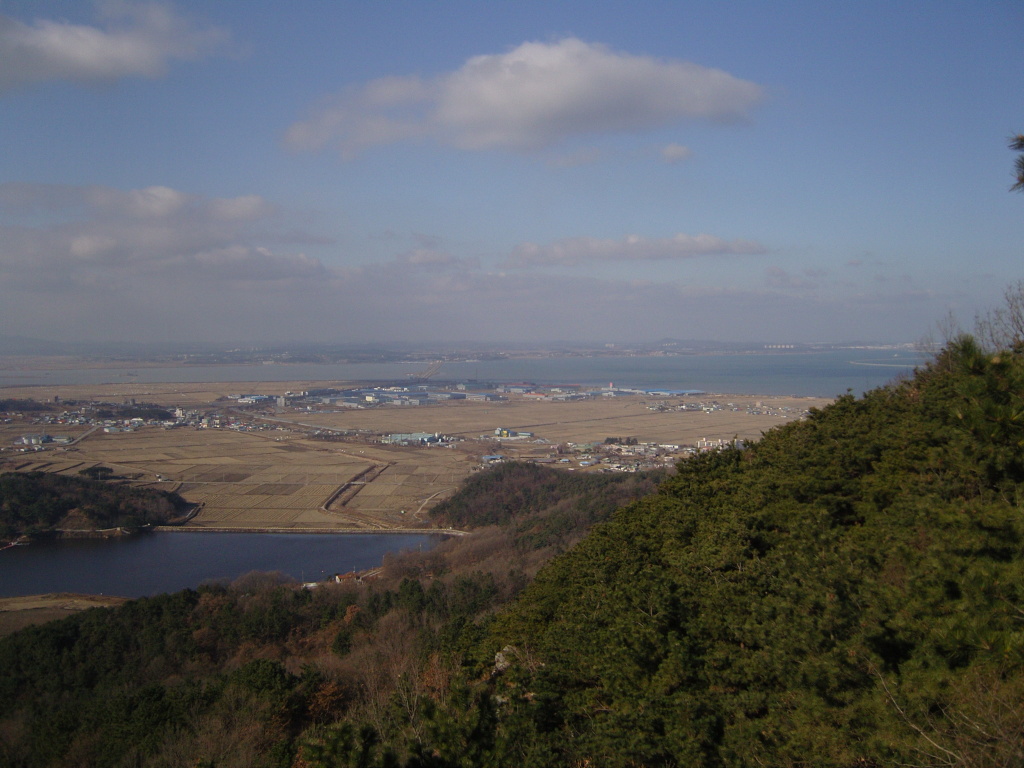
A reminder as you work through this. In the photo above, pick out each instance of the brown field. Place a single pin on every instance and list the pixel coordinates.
(252, 480)
(579, 421)
(283, 479)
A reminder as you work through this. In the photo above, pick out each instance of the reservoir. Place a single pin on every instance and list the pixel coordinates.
(151, 563)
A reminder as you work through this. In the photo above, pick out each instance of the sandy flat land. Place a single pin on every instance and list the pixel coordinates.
(284, 479)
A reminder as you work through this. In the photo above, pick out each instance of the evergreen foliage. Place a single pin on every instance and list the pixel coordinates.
(817, 599)
(18, 405)
(539, 505)
(36, 502)
(139, 411)
(846, 592)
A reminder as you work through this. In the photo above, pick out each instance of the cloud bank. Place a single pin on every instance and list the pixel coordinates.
(93, 235)
(533, 97)
(675, 153)
(581, 251)
(89, 263)
(131, 40)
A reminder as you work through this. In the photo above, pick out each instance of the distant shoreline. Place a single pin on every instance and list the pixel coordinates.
(13, 363)
(878, 365)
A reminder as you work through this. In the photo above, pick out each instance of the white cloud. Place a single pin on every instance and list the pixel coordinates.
(675, 153)
(154, 202)
(131, 40)
(86, 246)
(241, 263)
(579, 251)
(586, 156)
(147, 204)
(535, 96)
(96, 234)
(434, 259)
(162, 264)
(243, 208)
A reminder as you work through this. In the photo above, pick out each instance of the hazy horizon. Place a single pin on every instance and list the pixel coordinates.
(34, 347)
(357, 173)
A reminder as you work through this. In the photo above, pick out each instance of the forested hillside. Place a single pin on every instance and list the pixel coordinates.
(849, 591)
(37, 502)
(846, 592)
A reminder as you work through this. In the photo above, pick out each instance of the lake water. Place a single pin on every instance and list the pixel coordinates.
(163, 562)
(151, 563)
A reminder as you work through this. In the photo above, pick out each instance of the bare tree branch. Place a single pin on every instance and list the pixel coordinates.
(1017, 145)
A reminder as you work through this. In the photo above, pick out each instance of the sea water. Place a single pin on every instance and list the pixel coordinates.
(803, 374)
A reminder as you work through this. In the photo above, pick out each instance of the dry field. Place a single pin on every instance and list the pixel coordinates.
(256, 480)
(284, 480)
(578, 421)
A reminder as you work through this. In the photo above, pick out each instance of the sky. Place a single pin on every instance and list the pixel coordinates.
(441, 172)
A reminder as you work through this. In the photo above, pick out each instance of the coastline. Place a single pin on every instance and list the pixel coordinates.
(60, 362)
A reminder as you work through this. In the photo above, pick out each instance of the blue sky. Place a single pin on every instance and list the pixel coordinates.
(265, 172)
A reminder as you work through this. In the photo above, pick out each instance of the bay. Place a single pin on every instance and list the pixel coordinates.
(802, 374)
(151, 563)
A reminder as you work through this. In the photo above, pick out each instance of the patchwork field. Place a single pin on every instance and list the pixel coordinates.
(245, 480)
(282, 478)
(580, 421)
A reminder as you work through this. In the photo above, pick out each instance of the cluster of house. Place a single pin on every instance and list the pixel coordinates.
(614, 455)
(36, 442)
(420, 438)
(557, 392)
(39, 441)
(757, 408)
(364, 397)
(504, 433)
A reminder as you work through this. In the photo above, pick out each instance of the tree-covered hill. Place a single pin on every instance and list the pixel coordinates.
(36, 502)
(541, 507)
(846, 592)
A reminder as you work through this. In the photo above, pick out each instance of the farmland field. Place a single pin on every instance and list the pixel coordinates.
(282, 478)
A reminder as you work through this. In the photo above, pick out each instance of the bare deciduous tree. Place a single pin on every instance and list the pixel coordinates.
(1003, 327)
(1017, 145)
